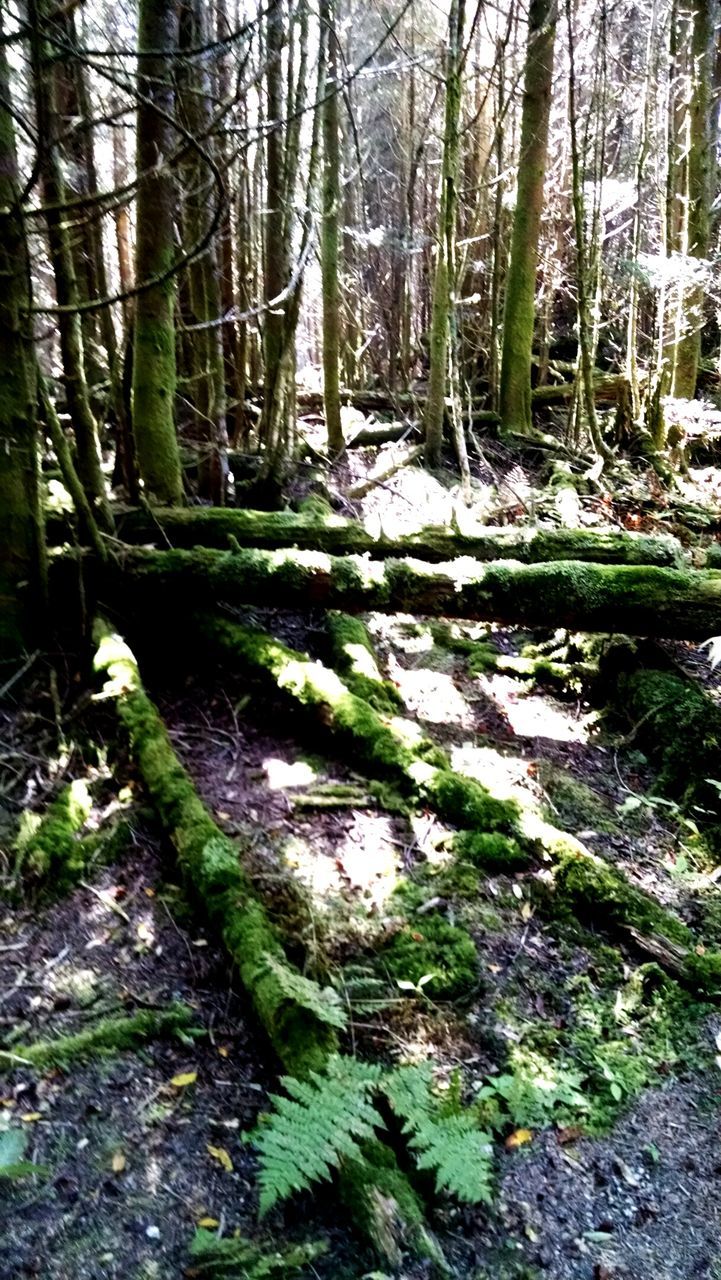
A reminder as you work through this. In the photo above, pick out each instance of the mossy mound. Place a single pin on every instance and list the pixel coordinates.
(430, 945)
(490, 849)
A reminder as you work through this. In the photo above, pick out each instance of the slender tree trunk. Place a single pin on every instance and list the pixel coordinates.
(329, 241)
(154, 372)
(21, 539)
(695, 235)
(519, 313)
(444, 281)
(66, 285)
(206, 338)
(585, 349)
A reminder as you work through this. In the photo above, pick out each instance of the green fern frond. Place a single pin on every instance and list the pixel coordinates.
(320, 1122)
(445, 1138)
(323, 1002)
(460, 1155)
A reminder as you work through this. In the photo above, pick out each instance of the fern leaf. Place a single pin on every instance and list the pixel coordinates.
(460, 1155)
(448, 1142)
(320, 1122)
(323, 1002)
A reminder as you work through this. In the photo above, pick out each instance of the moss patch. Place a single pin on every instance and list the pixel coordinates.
(575, 804)
(430, 945)
(109, 1036)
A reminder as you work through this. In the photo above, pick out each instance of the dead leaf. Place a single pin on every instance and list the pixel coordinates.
(184, 1079)
(223, 1050)
(221, 1155)
(31, 1116)
(118, 1162)
(209, 1223)
(568, 1134)
(518, 1138)
(526, 911)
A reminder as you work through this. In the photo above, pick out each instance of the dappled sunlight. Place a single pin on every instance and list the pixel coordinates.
(506, 776)
(432, 696)
(531, 715)
(283, 774)
(365, 860)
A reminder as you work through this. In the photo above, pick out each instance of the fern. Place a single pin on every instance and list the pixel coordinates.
(323, 1002)
(460, 1155)
(446, 1138)
(321, 1122)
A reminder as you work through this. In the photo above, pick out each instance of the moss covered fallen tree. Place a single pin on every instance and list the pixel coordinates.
(109, 1036)
(220, 527)
(495, 833)
(633, 600)
(673, 719)
(301, 1018)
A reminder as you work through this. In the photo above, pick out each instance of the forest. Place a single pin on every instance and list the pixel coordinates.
(360, 634)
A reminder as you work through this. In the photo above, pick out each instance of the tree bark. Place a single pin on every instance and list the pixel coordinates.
(628, 599)
(197, 526)
(21, 538)
(329, 237)
(519, 313)
(444, 280)
(66, 285)
(154, 372)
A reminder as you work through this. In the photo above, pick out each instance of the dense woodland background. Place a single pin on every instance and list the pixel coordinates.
(360, 599)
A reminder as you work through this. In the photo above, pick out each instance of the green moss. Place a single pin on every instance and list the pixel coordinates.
(467, 803)
(354, 658)
(681, 728)
(107, 1037)
(490, 850)
(596, 891)
(54, 851)
(430, 945)
(575, 805)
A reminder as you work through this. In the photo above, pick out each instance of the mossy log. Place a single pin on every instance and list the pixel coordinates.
(313, 531)
(289, 1007)
(495, 833)
(108, 1036)
(605, 389)
(353, 656)
(669, 715)
(632, 600)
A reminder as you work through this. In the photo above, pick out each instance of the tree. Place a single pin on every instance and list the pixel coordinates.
(444, 278)
(21, 541)
(154, 371)
(329, 237)
(519, 312)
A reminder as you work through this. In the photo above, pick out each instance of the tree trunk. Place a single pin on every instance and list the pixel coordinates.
(329, 237)
(628, 599)
(444, 280)
(66, 285)
(21, 539)
(697, 204)
(206, 331)
(519, 313)
(154, 372)
(200, 527)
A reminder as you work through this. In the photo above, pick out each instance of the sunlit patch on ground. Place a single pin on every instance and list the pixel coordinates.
(366, 860)
(432, 696)
(506, 776)
(533, 716)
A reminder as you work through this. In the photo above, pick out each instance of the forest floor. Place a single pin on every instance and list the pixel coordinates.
(607, 1164)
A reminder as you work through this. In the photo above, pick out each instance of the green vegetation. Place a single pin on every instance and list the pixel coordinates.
(431, 953)
(353, 656)
(238, 1259)
(110, 1036)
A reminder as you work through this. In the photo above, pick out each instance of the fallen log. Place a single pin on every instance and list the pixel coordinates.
(299, 1017)
(495, 833)
(216, 526)
(627, 599)
(606, 388)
